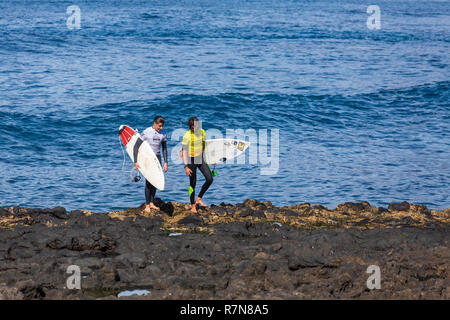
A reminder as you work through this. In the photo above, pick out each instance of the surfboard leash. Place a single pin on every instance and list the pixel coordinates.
(135, 178)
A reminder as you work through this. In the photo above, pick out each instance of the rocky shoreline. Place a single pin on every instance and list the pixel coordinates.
(250, 250)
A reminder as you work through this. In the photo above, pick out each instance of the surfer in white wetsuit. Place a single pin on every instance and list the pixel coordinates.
(156, 137)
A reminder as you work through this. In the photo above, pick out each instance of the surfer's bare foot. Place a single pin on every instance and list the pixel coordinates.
(147, 209)
(152, 206)
(200, 202)
(194, 208)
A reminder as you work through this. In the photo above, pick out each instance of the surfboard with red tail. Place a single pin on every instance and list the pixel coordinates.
(146, 158)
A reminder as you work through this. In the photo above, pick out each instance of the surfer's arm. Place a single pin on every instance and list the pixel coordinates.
(164, 149)
(185, 153)
(136, 149)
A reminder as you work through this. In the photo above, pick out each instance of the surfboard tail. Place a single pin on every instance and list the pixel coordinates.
(125, 133)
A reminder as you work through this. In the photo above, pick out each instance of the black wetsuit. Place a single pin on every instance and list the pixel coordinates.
(193, 164)
(150, 190)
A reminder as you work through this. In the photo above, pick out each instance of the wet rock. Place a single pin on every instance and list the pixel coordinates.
(10, 293)
(325, 254)
(403, 206)
(305, 258)
(31, 289)
(250, 203)
(319, 207)
(191, 220)
(355, 207)
(362, 222)
(290, 213)
(4, 213)
(76, 212)
(419, 209)
(136, 259)
(60, 212)
(57, 212)
(223, 204)
(220, 211)
(406, 221)
(147, 225)
(246, 212)
(382, 210)
(273, 211)
(268, 204)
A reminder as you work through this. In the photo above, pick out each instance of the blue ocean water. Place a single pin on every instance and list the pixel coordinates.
(362, 114)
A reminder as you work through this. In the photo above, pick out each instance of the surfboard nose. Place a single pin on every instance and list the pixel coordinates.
(121, 129)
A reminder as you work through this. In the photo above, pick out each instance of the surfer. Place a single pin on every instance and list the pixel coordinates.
(155, 137)
(193, 146)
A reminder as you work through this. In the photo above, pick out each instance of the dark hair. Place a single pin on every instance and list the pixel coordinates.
(158, 120)
(191, 122)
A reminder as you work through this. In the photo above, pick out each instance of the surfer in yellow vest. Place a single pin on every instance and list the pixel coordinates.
(193, 146)
(155, 137)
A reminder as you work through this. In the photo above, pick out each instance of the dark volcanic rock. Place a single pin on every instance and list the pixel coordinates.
(290, 213)
(241, 258)
(73, 212)
(10, 293)
(403, 206)
(4, 213)
(306, 258)
(355, 207)
(60, 212)
(382, 210)
(419, 209)
(193, 220)
(246, 212)
(218, 210)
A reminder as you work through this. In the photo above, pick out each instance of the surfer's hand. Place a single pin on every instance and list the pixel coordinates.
(188, 171)
(165, 167)
(136, 166)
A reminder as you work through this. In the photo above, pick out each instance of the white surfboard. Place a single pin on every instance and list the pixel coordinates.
(223, 150)
(146, 159)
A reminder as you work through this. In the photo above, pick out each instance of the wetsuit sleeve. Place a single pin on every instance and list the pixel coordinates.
(164, 149)
(136, 148)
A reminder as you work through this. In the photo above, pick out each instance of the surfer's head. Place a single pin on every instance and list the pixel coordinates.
(158, 123)
(194, 124)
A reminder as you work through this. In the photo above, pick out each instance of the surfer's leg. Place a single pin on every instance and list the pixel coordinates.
(204, 168)
(150, 191)
(148, 197)
(153, 191)
(192, 182)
